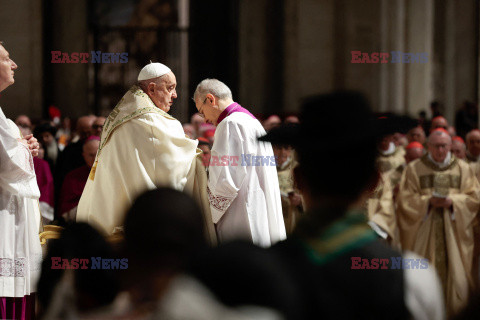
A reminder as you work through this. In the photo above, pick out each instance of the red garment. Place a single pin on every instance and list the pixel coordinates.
(44, 181)
(72, 188)
(18, 308)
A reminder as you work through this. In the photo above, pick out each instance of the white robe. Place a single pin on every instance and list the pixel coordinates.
(141, 148)
(245, 199)
(20, 250)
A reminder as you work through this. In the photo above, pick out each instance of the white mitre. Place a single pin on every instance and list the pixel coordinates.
(153, 70)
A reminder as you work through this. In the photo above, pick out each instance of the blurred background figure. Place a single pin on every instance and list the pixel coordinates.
(197, 121)
(291, 119)
(204, 145)
(189, 130)
(416, 134)
(459, 149)
(97, 126)
(71, 157)
(45, 133)
(466, 118)
(473, 146)
(439, 122)
(291, 199)
(64, 133)
(451, 131)
(24, 124)
(271, 122)
(390, 156)
(75, 180)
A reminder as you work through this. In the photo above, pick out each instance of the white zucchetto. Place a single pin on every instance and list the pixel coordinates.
(153, 70)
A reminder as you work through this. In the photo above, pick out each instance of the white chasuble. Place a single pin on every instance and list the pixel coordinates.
(243, 186)
(20, 250)
(141, 148)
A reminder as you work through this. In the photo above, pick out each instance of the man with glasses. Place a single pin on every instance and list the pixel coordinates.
(243, 186)
(438, 203)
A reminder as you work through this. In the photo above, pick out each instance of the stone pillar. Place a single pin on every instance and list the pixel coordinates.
(21, 24)
(69, 82)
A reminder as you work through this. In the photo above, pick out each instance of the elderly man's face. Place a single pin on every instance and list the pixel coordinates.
(439, 146)
(473, 143)
(90, 149)
(7, 67)
(164, 92)
(23, 121)
(458, 149)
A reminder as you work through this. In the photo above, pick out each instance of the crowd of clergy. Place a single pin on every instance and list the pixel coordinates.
(171, 228)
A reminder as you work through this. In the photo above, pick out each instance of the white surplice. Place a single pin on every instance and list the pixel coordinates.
(20, 250)
(244, 196)
(141, 148)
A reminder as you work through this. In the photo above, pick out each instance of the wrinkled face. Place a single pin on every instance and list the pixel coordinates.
(164, 92)
(7, 67)
(281, 153)
(90, 149)
(473, 144)
(416, 134)
(458, 149)
(439, 146)
(98, 126)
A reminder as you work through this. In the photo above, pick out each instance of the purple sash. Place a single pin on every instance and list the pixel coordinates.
(234, 107)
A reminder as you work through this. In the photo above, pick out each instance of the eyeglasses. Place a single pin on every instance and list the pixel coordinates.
(200, 112)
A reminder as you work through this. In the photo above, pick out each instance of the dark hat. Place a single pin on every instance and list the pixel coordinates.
(342, 117)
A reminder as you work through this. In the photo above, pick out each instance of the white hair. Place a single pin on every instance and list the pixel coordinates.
(215, 87)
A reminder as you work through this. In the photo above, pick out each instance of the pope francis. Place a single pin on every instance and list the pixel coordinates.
(142, 147)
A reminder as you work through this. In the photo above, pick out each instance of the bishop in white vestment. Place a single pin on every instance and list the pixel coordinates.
(243, 186)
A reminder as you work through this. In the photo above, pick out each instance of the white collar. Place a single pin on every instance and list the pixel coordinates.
(391, 149)
(445, 162)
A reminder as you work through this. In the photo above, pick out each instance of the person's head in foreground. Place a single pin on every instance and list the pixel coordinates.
(63, 292)
(159, 83)
(7, 68)
(413, 151)
(361, 131)
(473, 142)
(163, 229)
(459, 149)
(439, 145)
(211, 97)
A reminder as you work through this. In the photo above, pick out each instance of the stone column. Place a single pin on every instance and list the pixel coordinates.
(21, 23)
